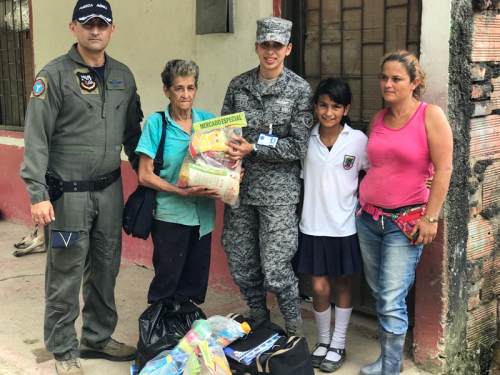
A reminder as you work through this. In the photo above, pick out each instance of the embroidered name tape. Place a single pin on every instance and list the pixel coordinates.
(115, 84)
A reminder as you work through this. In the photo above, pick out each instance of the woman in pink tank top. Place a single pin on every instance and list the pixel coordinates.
(398, 214)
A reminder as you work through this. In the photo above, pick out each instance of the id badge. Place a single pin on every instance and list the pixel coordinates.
(267, 140)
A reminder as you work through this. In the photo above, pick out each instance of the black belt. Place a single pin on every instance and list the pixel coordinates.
(98, 183)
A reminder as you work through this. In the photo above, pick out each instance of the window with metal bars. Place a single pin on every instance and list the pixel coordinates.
(347, 38)
(16, 67)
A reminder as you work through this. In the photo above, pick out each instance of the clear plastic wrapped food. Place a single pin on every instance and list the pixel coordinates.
(207, 164)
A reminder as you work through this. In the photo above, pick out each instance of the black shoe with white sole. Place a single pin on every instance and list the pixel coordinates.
(332, 366)
(317, 359)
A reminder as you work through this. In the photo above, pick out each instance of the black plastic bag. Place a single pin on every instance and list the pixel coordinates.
(162, 325)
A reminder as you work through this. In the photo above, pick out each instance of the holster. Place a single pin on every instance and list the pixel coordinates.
(55, 192)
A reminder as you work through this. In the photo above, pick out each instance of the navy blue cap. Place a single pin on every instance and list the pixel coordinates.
(85, 10)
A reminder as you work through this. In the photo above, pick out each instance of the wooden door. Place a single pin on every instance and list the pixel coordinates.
(347, 38)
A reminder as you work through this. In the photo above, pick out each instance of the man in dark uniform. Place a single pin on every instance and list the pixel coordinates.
(83, 108)
(261, 236)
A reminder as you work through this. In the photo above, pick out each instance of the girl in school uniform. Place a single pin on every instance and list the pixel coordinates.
(328, 245)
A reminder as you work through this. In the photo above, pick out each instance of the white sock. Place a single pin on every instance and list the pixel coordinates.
(342, 317)
(323, 321)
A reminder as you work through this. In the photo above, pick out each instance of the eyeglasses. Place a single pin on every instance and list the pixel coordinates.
(101, 25)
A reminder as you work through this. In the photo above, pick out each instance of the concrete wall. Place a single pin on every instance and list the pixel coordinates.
(435, 36)
(429, 330)
(149, 33)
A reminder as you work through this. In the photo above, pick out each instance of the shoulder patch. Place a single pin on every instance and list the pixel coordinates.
(308, 120)
(39, 88)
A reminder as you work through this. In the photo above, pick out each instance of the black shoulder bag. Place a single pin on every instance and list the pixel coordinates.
(140, 206)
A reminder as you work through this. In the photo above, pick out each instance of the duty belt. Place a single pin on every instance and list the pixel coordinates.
(57, 187)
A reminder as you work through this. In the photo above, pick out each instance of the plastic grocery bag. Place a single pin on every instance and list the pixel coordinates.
(206, 163)
(225, 330)
(156, 365)
(162, 325)
(207, 359)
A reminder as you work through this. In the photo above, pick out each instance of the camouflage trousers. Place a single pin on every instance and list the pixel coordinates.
(260, 242)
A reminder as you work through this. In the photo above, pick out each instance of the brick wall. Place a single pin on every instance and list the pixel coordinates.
(483, 252)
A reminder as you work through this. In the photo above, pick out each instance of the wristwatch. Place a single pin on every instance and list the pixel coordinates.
(431, 219)
(254, 151)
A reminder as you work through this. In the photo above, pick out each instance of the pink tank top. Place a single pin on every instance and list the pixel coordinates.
(400, 163)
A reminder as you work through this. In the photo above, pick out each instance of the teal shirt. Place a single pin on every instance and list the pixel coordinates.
(173, 208)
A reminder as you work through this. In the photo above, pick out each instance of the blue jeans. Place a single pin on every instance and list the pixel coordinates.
(389, 262)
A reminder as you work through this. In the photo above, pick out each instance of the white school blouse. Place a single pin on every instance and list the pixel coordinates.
(331, 183)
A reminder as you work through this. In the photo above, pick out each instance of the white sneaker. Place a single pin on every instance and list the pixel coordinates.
(69, 367)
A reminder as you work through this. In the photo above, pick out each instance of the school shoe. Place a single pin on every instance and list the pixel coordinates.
(69, 367)
(113, 351)
(260, 316)
(317, 359)
(294, 329)
(332, 366)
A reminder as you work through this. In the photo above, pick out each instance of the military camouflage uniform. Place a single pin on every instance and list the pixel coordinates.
(76, 125)
(261, 236)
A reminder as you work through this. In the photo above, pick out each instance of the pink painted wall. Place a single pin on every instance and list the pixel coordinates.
(14, 199)
(429, 330)
(15, 206)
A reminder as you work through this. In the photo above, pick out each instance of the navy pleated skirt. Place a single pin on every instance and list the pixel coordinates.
(329, 256)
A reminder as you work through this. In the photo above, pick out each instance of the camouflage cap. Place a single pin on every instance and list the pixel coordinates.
(275, 29)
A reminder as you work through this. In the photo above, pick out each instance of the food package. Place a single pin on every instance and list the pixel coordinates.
(207, 359)
(175, 362)
(207, 164)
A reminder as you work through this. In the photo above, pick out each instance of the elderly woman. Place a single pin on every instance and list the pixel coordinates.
(399, 214)
(184, 217)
